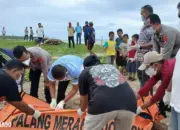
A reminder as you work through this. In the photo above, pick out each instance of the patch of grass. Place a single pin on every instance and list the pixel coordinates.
(54, 50)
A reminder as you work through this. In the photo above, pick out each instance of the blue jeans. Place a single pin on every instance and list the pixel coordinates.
(78, 38)
(175, 120)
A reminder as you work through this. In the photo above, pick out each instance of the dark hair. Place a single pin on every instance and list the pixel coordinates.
(111, 33)
(159, 62)
(148, 8)
(136, 36)
(126, 35)
(91, 61)
(14, 64)
(120, 30)
(58, 71)
(91, 23)
(154, 18)
(178, 6)
(18, 51)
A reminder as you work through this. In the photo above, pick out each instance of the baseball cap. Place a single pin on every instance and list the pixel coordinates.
(149, 58)
(91, 60)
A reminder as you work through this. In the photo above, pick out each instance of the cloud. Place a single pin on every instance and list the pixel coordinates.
(107, 15)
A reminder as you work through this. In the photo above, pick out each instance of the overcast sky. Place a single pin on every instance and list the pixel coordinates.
(107, 15)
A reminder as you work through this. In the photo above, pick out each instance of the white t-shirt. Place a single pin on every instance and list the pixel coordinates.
(40, 32)
(175, 96)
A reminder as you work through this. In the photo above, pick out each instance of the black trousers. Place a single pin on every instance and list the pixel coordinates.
(86, 40)
(26, 37)
(34, 77)
(62, 86)
(71, 39)
(31, 38)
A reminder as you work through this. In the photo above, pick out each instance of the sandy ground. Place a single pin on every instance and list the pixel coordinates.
(74, 102)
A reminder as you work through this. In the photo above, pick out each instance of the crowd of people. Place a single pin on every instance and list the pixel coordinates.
(29, 34)
(89, 35)
(154, 54)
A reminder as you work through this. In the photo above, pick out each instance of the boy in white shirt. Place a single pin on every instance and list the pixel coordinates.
(40, 34)
(123, 49)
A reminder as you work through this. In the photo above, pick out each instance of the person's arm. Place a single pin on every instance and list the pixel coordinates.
(73, 29)
(147, 46)
(52, 88)
(157, 97)
(23, 107)
(156, 46)
(83, 90)
(81, 29)
(83, 102)
(147, 87)
(13, 97)
(169, 42)
(71, 93)
(160, 92)
(92, 34)
(44, 67)
(169, 88)
(105, 46)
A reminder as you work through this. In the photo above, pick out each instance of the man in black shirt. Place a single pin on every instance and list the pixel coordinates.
(5, 56)
(108, 96)
(9, 90)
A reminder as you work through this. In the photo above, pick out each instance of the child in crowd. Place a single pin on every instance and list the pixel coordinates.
(131, 66)
(123, 49)
(110, 48)
(119, 40)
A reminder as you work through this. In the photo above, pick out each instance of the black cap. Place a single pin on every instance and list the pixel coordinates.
(91, 61)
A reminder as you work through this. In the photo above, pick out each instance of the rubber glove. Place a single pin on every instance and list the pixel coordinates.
(167, 98)
(60, 105)
(53, 103)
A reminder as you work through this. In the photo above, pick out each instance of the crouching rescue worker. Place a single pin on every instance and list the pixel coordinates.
(67, 68)
(158, 69)
(12, 70)
(39, 61)
(108, 96)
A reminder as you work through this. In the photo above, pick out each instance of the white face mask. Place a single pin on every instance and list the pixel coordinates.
(19, 79)
(150, 71)
(143, 19)
(27, 62)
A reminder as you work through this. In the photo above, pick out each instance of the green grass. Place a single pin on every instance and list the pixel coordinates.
(54, 50)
